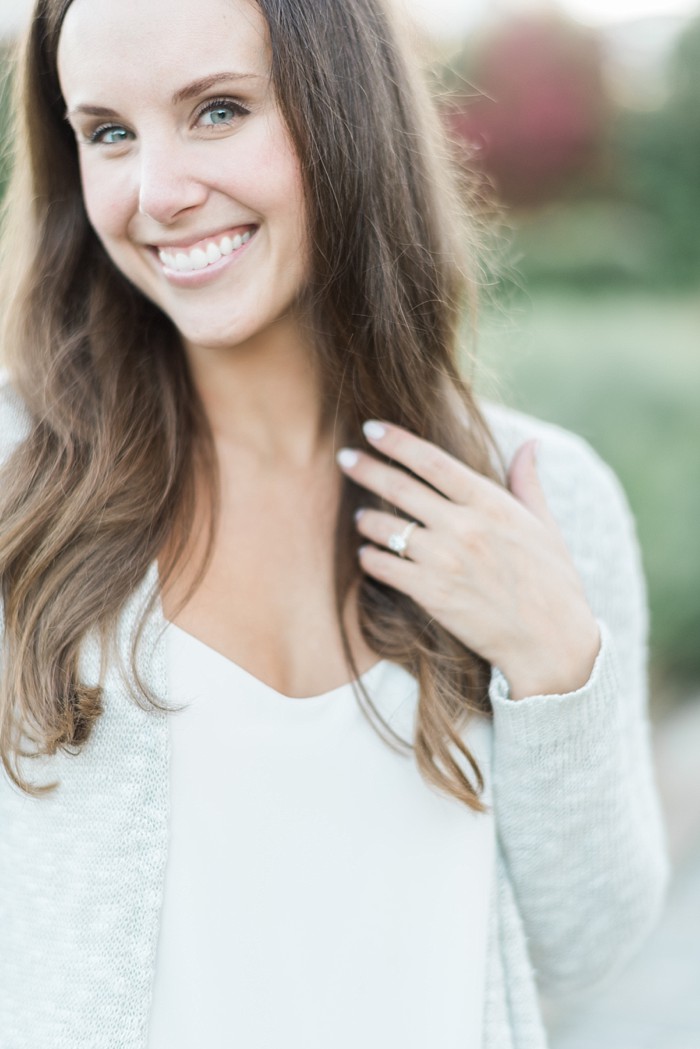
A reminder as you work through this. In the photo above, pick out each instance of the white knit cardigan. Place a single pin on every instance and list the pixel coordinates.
(581, 868)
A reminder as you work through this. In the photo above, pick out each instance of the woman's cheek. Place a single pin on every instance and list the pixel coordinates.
(108, 202)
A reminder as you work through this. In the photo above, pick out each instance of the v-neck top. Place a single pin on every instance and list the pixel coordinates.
(317, 892)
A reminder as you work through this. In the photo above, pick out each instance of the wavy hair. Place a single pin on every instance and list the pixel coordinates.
(103, 481)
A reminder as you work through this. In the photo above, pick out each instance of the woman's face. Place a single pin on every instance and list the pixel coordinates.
(189, 176)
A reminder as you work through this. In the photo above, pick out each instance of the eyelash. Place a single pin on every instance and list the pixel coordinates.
(223, 103)
(95, 137)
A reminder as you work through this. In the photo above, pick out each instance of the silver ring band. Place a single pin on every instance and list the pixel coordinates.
(398, 541)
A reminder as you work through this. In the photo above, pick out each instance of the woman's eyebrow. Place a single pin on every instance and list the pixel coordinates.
(196, 87)
(90, 111)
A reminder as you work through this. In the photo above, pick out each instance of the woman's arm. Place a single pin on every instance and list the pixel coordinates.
(574, 792)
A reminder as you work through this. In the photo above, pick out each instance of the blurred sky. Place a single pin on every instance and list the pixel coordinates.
(452, 18)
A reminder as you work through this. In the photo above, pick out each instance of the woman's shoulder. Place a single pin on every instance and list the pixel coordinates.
(511, 427)
(561, 451)
(582, 489)
(14, 418)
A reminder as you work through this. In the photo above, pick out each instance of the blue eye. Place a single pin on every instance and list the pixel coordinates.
(220, 113)
(110, 134)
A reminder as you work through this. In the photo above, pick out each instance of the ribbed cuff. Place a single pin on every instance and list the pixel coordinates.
(548, 719)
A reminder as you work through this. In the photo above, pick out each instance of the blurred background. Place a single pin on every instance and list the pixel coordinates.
(581, 118)
(581, 121)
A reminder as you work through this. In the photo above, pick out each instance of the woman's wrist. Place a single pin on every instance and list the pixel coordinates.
(552, 672)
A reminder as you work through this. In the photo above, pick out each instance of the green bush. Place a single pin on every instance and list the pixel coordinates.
(658, 164)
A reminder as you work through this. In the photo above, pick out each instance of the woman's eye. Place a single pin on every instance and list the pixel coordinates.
(110, 134)
(222, 112)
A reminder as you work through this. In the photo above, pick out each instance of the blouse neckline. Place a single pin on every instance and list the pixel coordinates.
(232, 668)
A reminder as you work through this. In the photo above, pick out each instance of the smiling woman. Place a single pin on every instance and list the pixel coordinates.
(323, 700)
(187, 169)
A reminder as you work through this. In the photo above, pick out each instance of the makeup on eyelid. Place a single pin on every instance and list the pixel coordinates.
(93, 136)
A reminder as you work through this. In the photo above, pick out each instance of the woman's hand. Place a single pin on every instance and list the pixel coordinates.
(489, 565)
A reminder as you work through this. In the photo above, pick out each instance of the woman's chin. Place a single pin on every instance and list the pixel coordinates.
(250, 331)
(216, 336)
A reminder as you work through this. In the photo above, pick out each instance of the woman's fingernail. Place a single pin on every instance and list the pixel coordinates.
(359, 513)
(373, 430)
(346, 457)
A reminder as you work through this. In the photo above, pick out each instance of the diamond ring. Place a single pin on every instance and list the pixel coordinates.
(398, 541)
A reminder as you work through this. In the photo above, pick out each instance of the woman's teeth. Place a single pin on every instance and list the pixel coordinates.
(200, 258)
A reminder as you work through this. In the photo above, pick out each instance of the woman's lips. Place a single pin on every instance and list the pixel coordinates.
(205, 251)
(195, 264)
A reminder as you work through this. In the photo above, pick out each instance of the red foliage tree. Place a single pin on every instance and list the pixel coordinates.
(539, 114)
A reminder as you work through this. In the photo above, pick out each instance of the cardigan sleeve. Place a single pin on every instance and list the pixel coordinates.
(575, 798)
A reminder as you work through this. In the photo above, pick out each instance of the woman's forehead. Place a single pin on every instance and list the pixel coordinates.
(157, 45)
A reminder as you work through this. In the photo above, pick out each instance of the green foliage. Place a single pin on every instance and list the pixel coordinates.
(634, 220)
(590, 244)
(658, 165)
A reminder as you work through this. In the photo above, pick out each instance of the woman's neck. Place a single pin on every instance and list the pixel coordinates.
(263, 398)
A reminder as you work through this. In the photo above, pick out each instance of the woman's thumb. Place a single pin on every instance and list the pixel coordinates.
(524, 481)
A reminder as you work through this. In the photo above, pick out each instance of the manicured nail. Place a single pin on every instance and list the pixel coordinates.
(373, 430)
(346, 457)
(365, 546)
(359, 513)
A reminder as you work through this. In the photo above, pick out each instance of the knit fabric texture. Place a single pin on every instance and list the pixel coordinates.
(582, 864)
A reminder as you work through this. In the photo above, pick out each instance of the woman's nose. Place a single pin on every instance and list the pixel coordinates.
(168, 183)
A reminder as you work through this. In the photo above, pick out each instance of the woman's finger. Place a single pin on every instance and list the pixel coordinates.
(397, 487)
(397, 572)
(453, 478)
(524, 483)
(382, 529)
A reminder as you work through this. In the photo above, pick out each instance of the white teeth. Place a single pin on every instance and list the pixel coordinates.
(183, 262)
(198, 258)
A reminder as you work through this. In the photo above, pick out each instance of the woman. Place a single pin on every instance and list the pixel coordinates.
(297, 749)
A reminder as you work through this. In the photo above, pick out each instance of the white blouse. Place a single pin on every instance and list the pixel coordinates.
(346, 904)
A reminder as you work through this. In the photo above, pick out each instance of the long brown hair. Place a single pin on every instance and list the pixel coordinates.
(104, 477)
